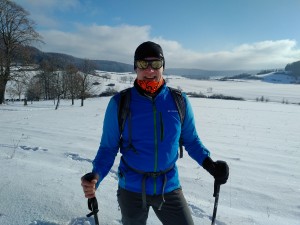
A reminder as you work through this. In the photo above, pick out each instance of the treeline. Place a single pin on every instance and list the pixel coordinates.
(294, 69)
(48, 81)
(214, 96)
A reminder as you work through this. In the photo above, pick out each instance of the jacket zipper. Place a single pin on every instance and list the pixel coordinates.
(155, 145)
(161, 127)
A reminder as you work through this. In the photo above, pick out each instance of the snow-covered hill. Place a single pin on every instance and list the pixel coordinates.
(44, 152)
(280, 77)
(275, 86)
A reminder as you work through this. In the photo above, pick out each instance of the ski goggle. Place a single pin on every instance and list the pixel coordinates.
(155, 64)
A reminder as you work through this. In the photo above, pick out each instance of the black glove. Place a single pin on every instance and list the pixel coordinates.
(219, 170)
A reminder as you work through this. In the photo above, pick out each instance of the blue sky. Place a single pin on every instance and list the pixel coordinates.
(203, 34)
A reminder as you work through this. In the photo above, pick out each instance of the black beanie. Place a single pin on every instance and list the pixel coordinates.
(148, 49)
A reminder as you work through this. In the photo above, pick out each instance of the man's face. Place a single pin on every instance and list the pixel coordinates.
(149, 73)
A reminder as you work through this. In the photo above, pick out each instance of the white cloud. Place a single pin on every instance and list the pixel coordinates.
(97, 42)
(119, 43)
(259, 55)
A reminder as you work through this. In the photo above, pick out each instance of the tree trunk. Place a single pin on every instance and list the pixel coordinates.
(2, 91)
(58, 100)
(82, 99)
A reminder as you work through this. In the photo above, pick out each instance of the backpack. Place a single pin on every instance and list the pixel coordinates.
(124, 110)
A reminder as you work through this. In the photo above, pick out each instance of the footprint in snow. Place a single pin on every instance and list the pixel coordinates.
(82, 221)
(29, 148)
(39, 222)
(76, 157)
(114, 174)
(197, 212)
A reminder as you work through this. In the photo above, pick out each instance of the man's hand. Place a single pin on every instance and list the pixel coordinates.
(219, 170)
(88, 183)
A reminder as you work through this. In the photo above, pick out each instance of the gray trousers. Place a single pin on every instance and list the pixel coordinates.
(174, 210)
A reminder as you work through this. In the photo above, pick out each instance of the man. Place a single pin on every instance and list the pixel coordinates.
(148, 175)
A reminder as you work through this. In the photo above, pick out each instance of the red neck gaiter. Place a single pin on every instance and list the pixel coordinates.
(150, 86)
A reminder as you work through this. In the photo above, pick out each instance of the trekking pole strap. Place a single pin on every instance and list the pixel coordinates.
(93, 206)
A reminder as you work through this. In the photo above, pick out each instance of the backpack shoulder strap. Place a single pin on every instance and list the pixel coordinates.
(181, 107)
(123, 109)
(179, 101)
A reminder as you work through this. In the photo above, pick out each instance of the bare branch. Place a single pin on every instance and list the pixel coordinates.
(16, 32)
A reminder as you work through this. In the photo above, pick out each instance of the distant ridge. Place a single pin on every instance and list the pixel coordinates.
(198, 73)
(61, 60)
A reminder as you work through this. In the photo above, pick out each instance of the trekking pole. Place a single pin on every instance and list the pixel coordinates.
(93, 206)
(92, 202)
(216, 195)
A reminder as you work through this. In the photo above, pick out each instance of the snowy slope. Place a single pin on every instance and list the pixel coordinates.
(281, 77)
(44, 152)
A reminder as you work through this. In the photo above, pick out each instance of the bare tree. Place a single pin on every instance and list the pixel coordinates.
(18, 87)
(47, 79)
(131, 79)
(16, 32)
(34, 89)
(87, 70)
(123, 79)
(73, 79)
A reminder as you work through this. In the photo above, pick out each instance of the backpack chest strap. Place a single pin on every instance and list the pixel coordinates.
(153, 175)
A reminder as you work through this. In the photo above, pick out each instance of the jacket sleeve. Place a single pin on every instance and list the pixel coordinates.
(191, 140)
(109, 144)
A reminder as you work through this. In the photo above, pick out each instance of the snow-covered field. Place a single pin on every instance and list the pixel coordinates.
(44, 152)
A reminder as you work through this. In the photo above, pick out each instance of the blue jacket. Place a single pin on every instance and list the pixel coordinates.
(155, 132)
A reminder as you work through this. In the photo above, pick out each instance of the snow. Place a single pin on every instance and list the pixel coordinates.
(44, 152)
(278, 77)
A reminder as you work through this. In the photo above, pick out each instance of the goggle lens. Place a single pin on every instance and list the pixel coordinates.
(143, 64)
